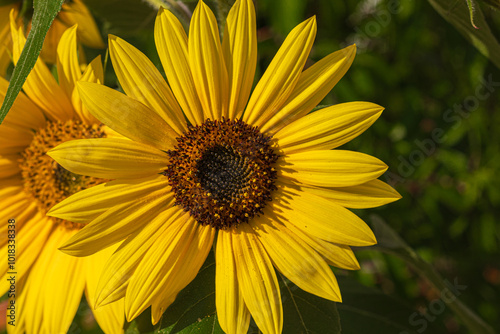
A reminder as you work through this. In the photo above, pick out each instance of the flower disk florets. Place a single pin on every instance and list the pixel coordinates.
(45, 180)
(222, 172)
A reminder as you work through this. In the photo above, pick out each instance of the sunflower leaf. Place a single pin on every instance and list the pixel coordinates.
(194, 308)
(306, 313)
(44, 13)
(458, 14)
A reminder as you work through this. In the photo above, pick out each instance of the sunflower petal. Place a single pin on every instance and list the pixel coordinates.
(168, 267)
(335, 168)
(121, 266)
(371, 194)
(75, 12)
(68, 67)
(282, 75)
(40, 85)
(329, 127)
(50, 309)
(207, 63)
(24, 113)
(116, 224)
(172, 45)
(297, 260)
(87, 204)
(323, 218)
(257, 280)
(92, 73)
(109, 317)
(340, 256)
(232, 313)
(314, 84)
(240, 54)
(109, 158)
(126, 115)
(141, 80)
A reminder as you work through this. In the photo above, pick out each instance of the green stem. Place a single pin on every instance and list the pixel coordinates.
(391, 243)
(470, 319)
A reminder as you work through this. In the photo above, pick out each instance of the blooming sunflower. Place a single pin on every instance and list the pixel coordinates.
(45, 284)
(254, 171)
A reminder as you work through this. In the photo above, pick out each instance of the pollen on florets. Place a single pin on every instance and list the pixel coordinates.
(222, 172)
(45, 181)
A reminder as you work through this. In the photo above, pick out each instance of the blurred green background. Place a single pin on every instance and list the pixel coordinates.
(438, 134)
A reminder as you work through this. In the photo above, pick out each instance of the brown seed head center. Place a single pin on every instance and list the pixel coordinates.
(222, 172)
(45, 180)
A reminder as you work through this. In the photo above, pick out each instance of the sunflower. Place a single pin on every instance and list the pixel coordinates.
(47, 285)
(205, 160)
(72, 12)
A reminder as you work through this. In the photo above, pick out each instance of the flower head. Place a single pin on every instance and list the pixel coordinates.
(50, 283)
(208, 160)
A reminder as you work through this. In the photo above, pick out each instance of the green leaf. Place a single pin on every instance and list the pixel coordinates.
(44, 13)
(306, 313)
(457, 13)
(368, 310)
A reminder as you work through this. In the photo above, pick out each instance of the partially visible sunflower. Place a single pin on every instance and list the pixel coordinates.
(72, 12)
(49, 283)
(254, 171)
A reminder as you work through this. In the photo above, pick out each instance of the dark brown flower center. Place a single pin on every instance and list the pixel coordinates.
(222, 172)
(45, 180)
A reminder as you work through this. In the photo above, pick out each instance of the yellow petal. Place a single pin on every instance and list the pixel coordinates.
(126, 115)
(141, 80)
(282, 75)
(24, 113)
(121, 266)
(329, 127)
(110, 317)
(68, 67)
(232, 312)
(336, 168)
(257, 280)
(87, 204)
(314, 84)
(340, 256)
(75, 12)
(169, 265)
(240, 54)
(92, 73)
(110, 158)
(297, 260)
(366, 195)
(30, 240)
(40, 85)
(52, 302)
(207, 63)
(172, 45)
(323, 218)
(15, 137)
(9, 165)
(116, 224)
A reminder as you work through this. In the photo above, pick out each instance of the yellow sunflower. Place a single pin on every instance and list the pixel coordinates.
(44, 284)
(254, 171)
(72, 12)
